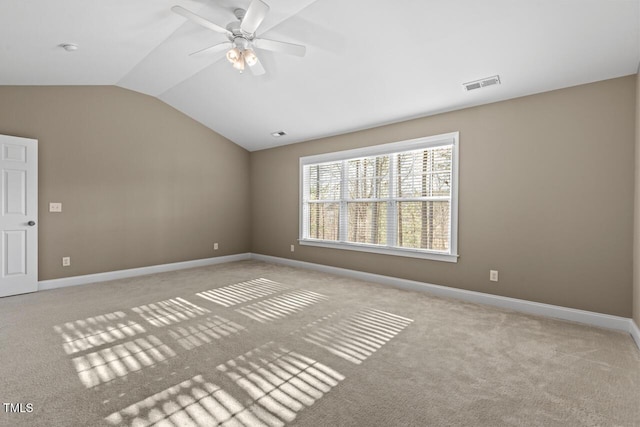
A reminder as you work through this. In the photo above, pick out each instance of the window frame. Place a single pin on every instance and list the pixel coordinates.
(451, 138)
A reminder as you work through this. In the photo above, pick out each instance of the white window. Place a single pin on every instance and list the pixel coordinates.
(396, 199)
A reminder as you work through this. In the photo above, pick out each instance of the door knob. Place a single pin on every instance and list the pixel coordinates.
(31, 223)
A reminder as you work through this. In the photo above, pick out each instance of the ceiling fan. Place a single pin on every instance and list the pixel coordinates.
(242, 37)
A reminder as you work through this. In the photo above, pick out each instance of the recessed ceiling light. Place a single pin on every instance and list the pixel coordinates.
(278, 134)
(69, 47)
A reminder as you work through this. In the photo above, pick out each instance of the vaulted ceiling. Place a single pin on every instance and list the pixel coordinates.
(367, 63)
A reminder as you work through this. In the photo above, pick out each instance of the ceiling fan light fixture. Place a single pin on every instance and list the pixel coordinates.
(239, 64)
(234, 55)
(250, 57)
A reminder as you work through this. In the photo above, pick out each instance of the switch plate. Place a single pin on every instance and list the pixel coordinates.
(66, 261)
(493, 275)
(215, 246)
(55, 207)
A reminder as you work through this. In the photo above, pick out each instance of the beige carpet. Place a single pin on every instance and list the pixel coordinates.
(251, 343)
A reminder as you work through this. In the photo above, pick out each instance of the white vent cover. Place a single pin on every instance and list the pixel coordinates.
(477, 84)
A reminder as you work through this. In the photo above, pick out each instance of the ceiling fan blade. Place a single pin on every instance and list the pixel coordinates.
(257, 69)
(213, 49)
(197, 19)
(255, 15)
(283, 47)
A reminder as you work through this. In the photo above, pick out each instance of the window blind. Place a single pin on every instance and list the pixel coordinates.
(399, 199)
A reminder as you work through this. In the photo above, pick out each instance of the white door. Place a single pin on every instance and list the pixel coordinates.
(18, 215)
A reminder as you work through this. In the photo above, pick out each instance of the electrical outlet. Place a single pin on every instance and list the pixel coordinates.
(493, 275)
(66, 261)
(293, 248)
(215, 246)
(55, 207)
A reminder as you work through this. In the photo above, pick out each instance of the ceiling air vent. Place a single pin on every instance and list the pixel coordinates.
(477, 84)
(278, 134)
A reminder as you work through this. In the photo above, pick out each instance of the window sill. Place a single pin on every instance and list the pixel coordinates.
(410, 253)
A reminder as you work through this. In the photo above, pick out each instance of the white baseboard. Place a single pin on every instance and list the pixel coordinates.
(634, 330)
(548, 310)
(121, 274)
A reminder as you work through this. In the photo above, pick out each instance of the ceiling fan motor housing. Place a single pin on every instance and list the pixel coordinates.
(237, 33)
(241, 42)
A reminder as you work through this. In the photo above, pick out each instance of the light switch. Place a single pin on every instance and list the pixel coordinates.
(55, 207)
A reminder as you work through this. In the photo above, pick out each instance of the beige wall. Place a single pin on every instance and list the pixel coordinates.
(636, 234)
(546, 198)
(140, 183)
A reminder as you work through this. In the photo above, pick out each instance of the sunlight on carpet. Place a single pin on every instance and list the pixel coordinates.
(281, 306)
(169, 312)
(278, 382)
(282, 381)
(359, 336)
(239, 293)
(194, 402)
(91, 332)
(212, 328)
(110, 363)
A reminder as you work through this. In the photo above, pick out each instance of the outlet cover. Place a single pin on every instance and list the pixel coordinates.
(66, 261)
(55, 207)
(215, 246)
(493, 275)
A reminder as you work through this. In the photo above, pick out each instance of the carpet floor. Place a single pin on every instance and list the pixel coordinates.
(251, 343)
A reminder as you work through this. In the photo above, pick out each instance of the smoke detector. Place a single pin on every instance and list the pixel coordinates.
(478, 84)
(278, 134)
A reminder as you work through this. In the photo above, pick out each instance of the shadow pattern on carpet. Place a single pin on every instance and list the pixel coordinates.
(268, 385)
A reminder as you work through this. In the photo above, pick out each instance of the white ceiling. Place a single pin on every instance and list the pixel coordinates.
(368, 62)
